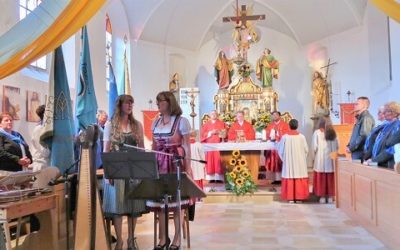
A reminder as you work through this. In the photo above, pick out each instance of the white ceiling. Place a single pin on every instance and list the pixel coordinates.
(188, 24)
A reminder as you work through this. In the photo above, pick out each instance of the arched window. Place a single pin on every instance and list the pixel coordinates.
(25, 7)
(108, 46)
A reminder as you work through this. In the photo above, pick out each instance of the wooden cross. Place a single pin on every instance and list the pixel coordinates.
(242, 17)
(327, 67)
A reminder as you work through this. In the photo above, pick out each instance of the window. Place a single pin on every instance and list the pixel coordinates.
(26, 7)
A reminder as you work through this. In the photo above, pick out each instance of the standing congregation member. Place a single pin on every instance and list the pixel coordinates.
(14, 151)
(123, 128)
(383, 148)
(241, 125)
(361, 130)
(275, 131)
(210, 132)
(40, 154)
(14, 154)
(324, 142)
(293, 151)
(171, 134)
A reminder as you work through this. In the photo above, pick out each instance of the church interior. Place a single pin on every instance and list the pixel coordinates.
(322, 55)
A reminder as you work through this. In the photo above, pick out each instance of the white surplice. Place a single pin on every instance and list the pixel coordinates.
(293, 151)
(322, 150)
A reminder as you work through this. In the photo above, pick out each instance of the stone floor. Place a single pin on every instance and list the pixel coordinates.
(276, 225)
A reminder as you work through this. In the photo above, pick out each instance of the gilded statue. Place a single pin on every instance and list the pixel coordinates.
(174, 83)
(320, 92)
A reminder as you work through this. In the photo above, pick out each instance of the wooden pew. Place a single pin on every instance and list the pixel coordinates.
(370, 196)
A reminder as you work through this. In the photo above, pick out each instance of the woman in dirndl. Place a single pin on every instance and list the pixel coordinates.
(171, 134)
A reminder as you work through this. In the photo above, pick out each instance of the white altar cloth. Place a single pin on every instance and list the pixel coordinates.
(244, 146)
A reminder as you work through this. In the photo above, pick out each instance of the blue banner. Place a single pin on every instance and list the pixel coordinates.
(86, 103)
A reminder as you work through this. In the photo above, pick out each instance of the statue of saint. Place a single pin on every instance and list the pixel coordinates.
(174, 83)
(320, 92)
(223, 70)
(267, 69)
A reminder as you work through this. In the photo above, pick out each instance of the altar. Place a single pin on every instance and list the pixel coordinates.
(251, 150)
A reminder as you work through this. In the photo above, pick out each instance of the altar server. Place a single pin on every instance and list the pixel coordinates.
(324, 142)
(293, 151)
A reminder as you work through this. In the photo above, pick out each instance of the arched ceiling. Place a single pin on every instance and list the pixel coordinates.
(188, 24)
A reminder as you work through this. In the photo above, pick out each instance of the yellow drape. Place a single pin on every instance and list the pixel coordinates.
(389, 7)
(76, 14)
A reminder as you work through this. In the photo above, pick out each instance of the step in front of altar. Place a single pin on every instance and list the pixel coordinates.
(262, 195)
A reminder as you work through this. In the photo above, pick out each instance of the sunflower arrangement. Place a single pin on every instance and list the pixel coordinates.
(263, 119)
(239, 178)
(245, 70)
(227, 117)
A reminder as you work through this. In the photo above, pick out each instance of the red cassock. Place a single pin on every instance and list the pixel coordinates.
(247, 128)
(272, 161)
(213, 158)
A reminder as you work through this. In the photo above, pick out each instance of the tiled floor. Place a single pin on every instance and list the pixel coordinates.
(277, 225)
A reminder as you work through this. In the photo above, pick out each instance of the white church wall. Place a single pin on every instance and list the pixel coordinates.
(362, 62)
(151, 72)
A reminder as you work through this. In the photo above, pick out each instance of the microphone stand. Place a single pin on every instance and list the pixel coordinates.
(177, 161)
(66, 180)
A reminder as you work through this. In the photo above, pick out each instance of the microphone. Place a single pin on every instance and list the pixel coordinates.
(180, 157)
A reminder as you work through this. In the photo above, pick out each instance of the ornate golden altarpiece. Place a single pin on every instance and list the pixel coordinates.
(248, 97)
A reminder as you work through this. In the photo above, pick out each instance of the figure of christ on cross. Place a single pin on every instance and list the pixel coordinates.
(244, 32)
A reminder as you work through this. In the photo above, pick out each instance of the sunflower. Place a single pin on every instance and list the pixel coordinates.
(242, 162)
(232, 174)
(246, 174)
(236, 153)
(232, 162)
(239, 182)
(238, 169)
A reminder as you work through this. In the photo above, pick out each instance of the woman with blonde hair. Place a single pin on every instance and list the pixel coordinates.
(123, 128)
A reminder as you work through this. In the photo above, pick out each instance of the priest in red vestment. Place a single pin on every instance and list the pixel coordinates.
(210, 134)
(275, 131)
(242, 125)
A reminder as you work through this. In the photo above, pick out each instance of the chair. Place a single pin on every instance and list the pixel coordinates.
(185, 226)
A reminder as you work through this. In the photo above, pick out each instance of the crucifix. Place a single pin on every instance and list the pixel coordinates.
(243, 33)
(242, 17)
(192, 94)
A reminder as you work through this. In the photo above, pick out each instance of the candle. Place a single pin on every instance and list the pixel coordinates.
(264, 134)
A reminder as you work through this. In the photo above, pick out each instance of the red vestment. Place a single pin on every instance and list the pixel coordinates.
(272, 161)
(247, 128)
(214, 169)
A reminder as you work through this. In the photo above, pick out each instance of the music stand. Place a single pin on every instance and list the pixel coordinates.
(130, 164)
(164, 187)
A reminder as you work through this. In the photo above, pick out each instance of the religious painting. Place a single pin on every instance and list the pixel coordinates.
(32, 103)
(11, 96)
